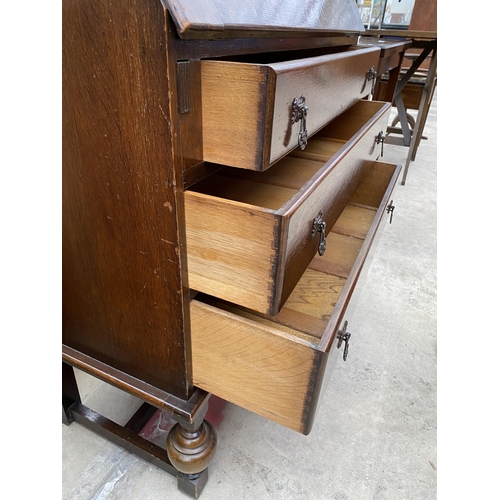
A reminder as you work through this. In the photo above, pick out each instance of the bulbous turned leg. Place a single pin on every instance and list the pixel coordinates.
(191, 450)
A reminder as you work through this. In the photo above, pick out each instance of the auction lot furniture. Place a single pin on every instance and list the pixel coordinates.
(223, 191)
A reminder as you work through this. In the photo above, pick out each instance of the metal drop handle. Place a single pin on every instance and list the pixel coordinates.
(319, 227)
(299, 113)
(379, 139)
(390, 210)
(371, 75)
(344, 336)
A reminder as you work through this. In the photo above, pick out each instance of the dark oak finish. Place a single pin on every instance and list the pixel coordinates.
(70, 393)
(189, 49)
(410, 34)
(123, 436)
(187, 410)
(192, 451)
(122, 198)
(191, 443)
(129, 439)
(140, 418)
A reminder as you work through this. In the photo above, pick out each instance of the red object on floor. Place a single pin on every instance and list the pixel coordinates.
(215, 411)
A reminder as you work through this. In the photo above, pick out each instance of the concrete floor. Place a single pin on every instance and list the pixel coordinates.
(375, 432)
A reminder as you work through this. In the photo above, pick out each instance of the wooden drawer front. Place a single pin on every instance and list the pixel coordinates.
(249, 233)
(275, 366)
(247, 108)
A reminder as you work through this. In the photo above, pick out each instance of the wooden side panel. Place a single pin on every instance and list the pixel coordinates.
(260, 368)
(234, 111)
(340, 254)
(233, 250)
(348, 123)
(373, 187)
(123, 296)
(330, 84)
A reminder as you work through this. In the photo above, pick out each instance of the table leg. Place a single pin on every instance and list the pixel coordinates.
(70, 393)
(191, 444)
(422, 113)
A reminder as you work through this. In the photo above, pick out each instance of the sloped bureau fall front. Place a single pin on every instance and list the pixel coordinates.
(223, 191)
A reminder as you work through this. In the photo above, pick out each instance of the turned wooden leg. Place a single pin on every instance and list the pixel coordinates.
(191, 448)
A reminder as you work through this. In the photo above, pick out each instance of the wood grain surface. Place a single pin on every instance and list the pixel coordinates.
(330, 83)
(124, 294)
(235, 109)
(265, 370)
(247, 108)
(244, 227)
(233, 249)
(274, 366)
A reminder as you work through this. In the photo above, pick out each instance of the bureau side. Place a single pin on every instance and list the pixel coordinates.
(124, 289)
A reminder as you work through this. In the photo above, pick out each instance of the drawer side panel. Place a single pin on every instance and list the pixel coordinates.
(235, 113)
(278, 366)
(264, 370)
(233, 253)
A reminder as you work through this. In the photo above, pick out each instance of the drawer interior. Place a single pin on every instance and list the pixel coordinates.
(278, 187)
(275, 365)
(249, 234)
(284, 56)
(311, 304)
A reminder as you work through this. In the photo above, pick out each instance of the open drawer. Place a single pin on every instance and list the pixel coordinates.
(276, 366)
(248, 107)
(251, 235)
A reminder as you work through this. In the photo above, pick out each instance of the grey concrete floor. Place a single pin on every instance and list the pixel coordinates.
(375, 432)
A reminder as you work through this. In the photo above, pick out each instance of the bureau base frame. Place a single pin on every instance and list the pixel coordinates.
(191, 480)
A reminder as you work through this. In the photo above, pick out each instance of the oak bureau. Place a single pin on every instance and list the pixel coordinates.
(223, 191)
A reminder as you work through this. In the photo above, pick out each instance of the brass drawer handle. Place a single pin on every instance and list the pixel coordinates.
(344, 336)
(299, 113)
(319, 226)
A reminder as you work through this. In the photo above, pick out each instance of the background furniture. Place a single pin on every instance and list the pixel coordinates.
(392, 52)
(417, 79)
(427, 41)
